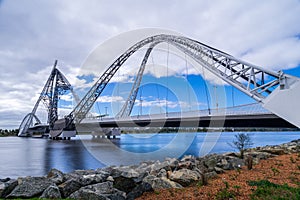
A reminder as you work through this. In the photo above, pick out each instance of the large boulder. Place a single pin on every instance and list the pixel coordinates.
(173, 163)
(100, 191)
(69, 187)
(30, 187)
(211, 162)
(185, 177)
(157, 166)
(91, 179)
(127, 178)
(52, 192)
(139, 190)
(124, 184)
(56, 176)
(160, 183)
(6, 186)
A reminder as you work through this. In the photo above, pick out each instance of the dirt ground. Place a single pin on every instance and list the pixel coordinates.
(281, 169)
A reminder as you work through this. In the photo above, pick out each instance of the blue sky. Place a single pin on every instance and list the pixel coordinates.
(36, 32)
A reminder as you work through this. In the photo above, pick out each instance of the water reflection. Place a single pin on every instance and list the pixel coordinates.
(68, 156)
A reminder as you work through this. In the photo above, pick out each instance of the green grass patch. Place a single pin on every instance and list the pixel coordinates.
(271, 191)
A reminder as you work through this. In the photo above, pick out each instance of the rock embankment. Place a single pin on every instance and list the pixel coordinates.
(129, 182)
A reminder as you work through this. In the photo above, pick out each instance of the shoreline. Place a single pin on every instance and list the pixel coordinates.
(130, 182)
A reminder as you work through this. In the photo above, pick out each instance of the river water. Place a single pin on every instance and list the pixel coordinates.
(35, 157)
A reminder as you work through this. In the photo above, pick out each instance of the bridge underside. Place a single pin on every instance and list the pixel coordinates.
(258, 121)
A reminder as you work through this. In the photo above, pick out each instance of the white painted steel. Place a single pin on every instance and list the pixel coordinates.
(285, 102)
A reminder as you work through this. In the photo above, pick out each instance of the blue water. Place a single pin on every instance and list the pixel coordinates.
(35, 157)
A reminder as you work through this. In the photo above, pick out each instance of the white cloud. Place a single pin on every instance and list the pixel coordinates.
(110, 99)
(163, 103)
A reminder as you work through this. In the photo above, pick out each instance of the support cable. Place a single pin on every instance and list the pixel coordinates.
(186, 77)
(232, 96)
(206, 92)
(141, 101)
(156, 85)
(167, 95)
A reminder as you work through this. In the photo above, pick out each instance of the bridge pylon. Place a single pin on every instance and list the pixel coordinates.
(56, 85)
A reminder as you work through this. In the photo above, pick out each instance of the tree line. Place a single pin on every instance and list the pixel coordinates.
(9, 132)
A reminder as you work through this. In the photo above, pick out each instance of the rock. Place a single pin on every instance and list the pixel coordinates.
(69, 187)
(52, 192)
(160, 183)
(110, 178)
(30, 187)
(4, 180)
(133, 174)
(124, 184)
(139, 190)
(235, 163)
(157, 166)
(210, 175)
(186, 165)
(292, 148)
(91, 179)
(101, 191)
(211, 162)
(260, 156)
(231, 154)
(56, 176)
(6, 186)
(85, 194)
(162, 173)
(274, 151)
(187, 158)
(218, 170)
(185, 177)
(173, 163)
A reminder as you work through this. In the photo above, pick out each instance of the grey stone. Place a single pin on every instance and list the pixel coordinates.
(162, 173)
(30, 187)
(69, 187)
(124, 184)
(185, 177)
(211, 162)
(173, 163)
(100, 191)
(52, 192)
(133, 174)
(157, 166)
(91, 179)
(187, 158)
(6, 186)
(186, 165)
(110, 178)
(160, 183)
(210, 175)
(274, 151)
(56, 176)
(139, 190)
(218, 170)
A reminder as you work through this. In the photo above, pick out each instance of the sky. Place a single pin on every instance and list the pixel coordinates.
(34, 33)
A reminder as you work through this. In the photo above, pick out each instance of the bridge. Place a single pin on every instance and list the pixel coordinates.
(251, 115)
(269, 89)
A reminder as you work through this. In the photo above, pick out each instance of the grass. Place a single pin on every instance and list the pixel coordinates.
(271, 191)
(225, 193)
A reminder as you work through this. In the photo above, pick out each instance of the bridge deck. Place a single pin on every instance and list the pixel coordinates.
(184, 120)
